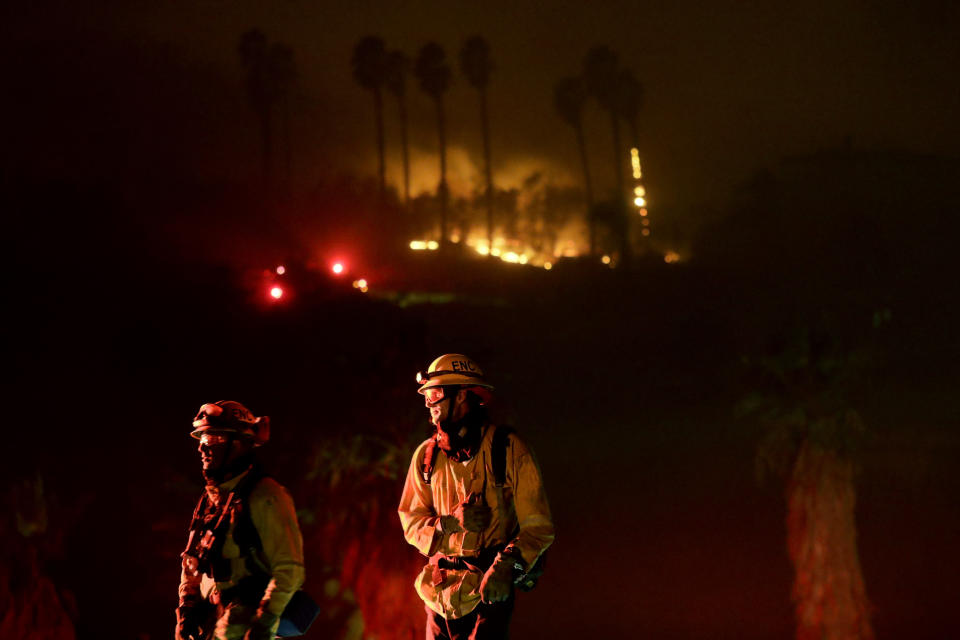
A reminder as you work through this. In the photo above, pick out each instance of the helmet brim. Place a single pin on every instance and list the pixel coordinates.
(452, 379)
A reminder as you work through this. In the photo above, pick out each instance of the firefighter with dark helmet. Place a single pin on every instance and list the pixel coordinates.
(244, 557)
(474, 505)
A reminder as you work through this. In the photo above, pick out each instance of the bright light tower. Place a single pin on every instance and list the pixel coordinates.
(639, 191)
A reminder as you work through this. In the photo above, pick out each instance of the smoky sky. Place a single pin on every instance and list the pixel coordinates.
(730, 87)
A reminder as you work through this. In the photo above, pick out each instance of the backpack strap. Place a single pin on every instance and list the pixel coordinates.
(499, 454)
(429, 460)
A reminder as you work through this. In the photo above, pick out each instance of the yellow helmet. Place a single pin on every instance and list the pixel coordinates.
(452, 369)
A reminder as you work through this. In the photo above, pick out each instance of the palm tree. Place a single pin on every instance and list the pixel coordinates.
(398, 65)
(271, 74)
(628, 100)
(476, 65)
(434, 76)
(370, 71)
(253, 57)
(283, 72)
(569, 98)
(811, 436)
(601, 73)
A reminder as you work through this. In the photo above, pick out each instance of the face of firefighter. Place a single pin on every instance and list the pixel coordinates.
(218, 451)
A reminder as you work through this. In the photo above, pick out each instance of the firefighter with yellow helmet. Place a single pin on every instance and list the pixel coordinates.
(244, 557)
(474, 504)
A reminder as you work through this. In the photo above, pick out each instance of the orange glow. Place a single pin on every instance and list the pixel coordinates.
(483, 249)
(495, 251)
(362, 283)
(643, 211)
(639, 190)
(276, 293)
(548, 265)
(671, 257)
(281, 270)
(646, 232)
(646, 222)
(337, 268)
(605, 259)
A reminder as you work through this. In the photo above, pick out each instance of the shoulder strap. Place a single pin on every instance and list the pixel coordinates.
(429, 460)
(499, 454)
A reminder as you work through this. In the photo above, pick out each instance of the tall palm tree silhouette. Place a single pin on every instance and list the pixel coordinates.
(434, 76)
(253, 58)
(569, 98)
(398, 65)
(270, 76)
(601, 73)
(628, 100)
(370, 71)
(476, 65)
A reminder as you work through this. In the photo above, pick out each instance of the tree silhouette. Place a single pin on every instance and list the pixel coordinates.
(811, 436)
(601, 73)
(370, 71)
(398, 65)
(569, 98)
(628, 100)
(270, 75)
(476, 65)
(434, 76)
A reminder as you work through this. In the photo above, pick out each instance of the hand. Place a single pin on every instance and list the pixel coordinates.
(187, 626)
(497, 582)
(472, 514)
(263, 627)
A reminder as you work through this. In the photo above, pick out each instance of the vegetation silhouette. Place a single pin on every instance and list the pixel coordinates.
(371, 71)
(476, 65)
(398, 66)
(569, 99)
(434, 76)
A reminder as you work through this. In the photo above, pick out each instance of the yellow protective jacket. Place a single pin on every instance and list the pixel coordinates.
(274, 517)
(520, 516)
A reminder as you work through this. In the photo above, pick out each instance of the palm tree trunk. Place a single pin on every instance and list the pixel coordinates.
(485, 127)
(402, 104)
(378, 108)
(828, 590)
(588, 187)
(620, 201)
(444, 195)
(266, 137)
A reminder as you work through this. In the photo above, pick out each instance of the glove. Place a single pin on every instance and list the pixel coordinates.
(263, 627)
(188, 627)
(497, 582)
(472, 514)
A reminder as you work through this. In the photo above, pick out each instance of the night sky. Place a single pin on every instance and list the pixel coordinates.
(729, 87)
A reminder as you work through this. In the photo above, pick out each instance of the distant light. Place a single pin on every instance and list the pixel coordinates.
(455, 238)
(418, 245)
(646, 232)
(510, 256)
(671, 256)
(276, 293)
(433, 245)
(646, 222)
(483, 249)
(523, 258)
(635, 161)
(605, 259)
(363, 289)
(281, 270)
(495, 251)
(639, 201)
(362, 283)
(548, 265)
(338, 268)
(643, 211)
(639, 190)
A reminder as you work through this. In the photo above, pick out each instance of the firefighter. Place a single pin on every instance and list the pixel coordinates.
(474, 504)
(244, 556)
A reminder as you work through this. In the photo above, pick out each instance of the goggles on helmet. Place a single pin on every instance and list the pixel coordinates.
(423, 376)
(434, 395)
(212, 439)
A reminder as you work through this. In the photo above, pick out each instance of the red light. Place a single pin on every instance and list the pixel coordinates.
(276, 293)
(338, 268)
